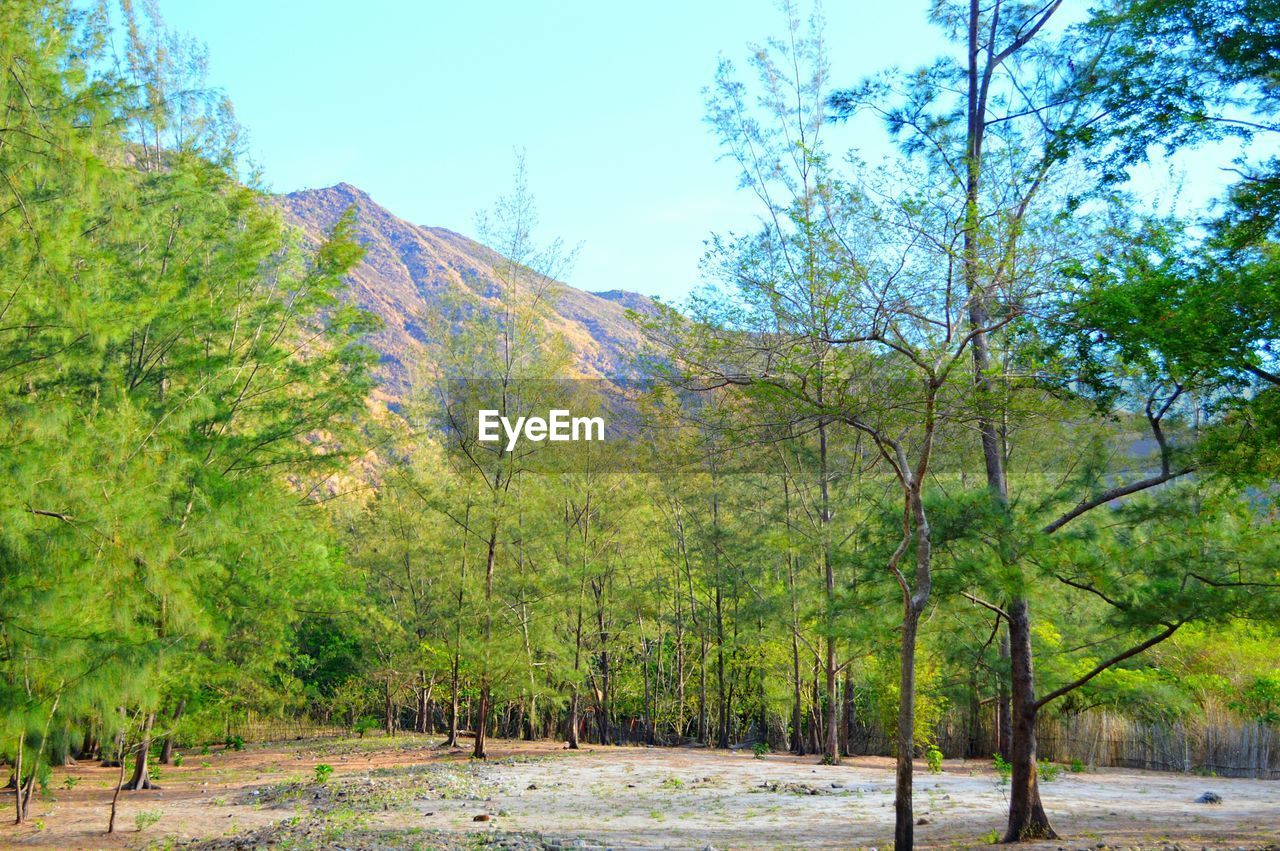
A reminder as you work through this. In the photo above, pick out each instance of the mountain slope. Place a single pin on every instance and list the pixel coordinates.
(409, 271)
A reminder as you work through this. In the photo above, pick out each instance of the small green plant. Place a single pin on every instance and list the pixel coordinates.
(146, 818)
(69, 783)
(1077, 767)
(177, 760)
(235, 743)
(933, 757)
(760, 749)
(39, 824)
(323, 770)
(991, 837)
(204, 751)
(1003, 768)
(204, 763)
(155, 771)
(673, 783)
(44, 776)
(1048, 771)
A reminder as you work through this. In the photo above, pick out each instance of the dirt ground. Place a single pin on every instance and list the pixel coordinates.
(405, 793)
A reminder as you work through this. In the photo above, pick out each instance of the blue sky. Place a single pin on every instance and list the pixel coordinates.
(423, 104)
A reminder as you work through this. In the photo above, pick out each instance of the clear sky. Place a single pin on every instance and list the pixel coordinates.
(422, 104)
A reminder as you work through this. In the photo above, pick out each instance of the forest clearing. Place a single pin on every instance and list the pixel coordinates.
(409, 793)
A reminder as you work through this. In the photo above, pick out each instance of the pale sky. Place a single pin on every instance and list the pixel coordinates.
(423, 104)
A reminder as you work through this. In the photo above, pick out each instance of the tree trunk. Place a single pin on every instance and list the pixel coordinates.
(830, 739)
(797, 697)
(141, 778)
(831, 743)
(115, 797)
(89, 747)
(453, 705)
(849, 713)
(388, 709)
(1027, 818)
(482, 723)
(573, 720)
(1003, 720)
(166, 752)
(19, 810)
(422, 723)
(904, 827)
(482, 718)
(722, 716)
(702, 694)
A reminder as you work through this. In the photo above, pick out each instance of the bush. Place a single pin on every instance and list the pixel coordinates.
(933, 756)
(1048, 771)
(1077, 767)
(146, 818)
(323, 770)
(1004, 769)
(760, 749)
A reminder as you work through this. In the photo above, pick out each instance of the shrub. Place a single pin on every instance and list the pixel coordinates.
(933, 756)
(760, 749)
(323, 770)
(146, 818)
(1004, 769)
(177, 760)
(1048, 771)
(1077, 767)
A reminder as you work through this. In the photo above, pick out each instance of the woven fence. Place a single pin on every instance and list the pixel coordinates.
(1221, 746)
(261, 729)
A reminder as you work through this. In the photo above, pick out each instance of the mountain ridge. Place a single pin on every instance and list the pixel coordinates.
(409, 270)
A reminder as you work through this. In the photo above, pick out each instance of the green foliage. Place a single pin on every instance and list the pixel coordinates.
(1260, 699)
(1049, 771)
(322, 772)
(1004, 769)
(143, 819)
(1077, 767)
(933, 756)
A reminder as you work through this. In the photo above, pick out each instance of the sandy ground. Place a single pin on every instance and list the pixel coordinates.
(404, 793)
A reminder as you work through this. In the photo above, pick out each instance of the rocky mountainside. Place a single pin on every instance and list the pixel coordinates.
(409, 271)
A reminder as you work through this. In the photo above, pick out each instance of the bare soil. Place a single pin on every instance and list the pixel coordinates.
(409, 793)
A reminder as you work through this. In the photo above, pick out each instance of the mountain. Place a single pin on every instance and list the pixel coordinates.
(409, 271)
